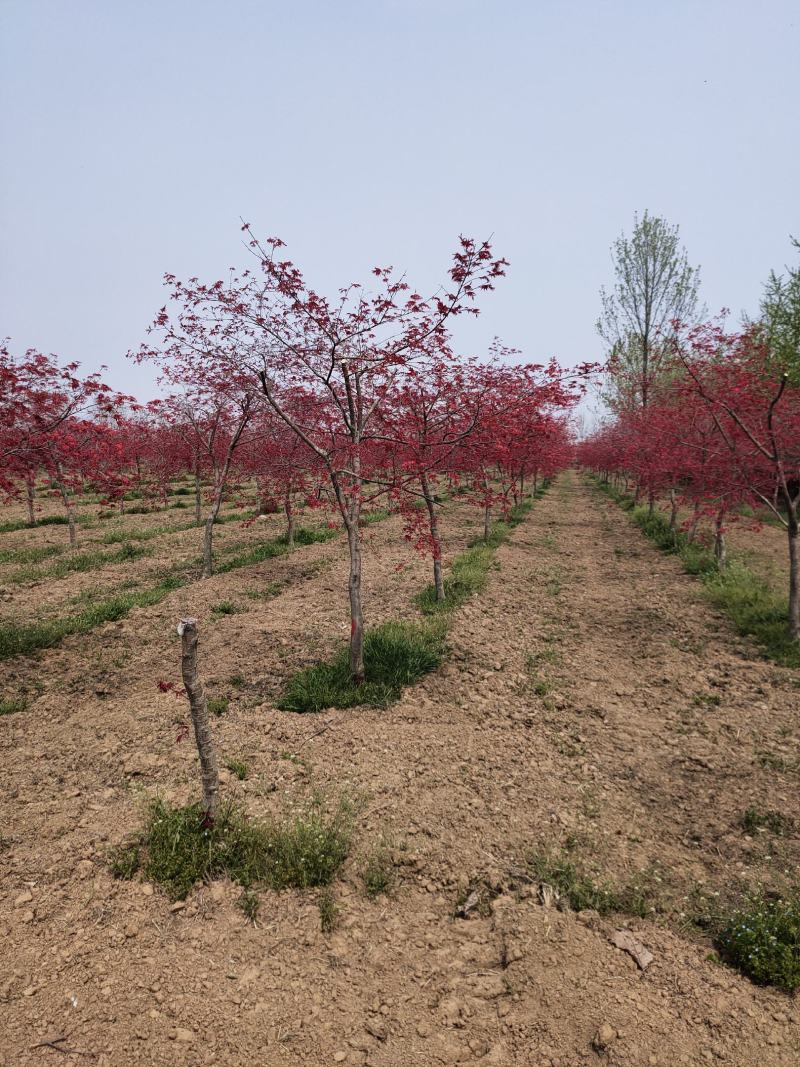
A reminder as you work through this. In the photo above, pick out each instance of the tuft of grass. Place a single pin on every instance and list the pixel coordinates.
(396, 654)
(305, 849)
(776, 822)
(12, 705)
(224, 607)
(328, 910)
(237, 767)
(376, 515)
(237, 681)
(124, 861)
(582, 891)
(250, 904)
(762, 940)
(218, 705)
(22, 638)
(709, 700)
(378, 873)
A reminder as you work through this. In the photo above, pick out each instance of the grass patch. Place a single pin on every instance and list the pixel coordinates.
(22, 638)
(305, 849)
(237, 767)
(328, 910)
(45, 520)
(124, 861)
(776, 822)
(218, 705)
(582, 891)
(396, 654)
(753, 606)
(30, 555)
(82, 561)
(249, 903)
(12, 706)
(225, 607)
(378, 873)
(762, 940)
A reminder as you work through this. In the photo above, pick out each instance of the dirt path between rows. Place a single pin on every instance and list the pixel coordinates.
(573, 713)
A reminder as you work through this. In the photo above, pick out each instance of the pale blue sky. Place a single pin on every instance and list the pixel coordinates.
(134, 134)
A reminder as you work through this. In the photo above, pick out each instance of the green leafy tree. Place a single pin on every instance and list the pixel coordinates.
(654, 287)
(780, 319)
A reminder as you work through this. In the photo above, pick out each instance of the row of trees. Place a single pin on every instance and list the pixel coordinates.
(704, 417)
(323, 402)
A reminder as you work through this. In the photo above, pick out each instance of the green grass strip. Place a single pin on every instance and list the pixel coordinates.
(755, 609)
(83, 561)
(21, 638)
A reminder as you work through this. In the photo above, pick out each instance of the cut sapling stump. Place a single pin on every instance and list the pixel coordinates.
(209, 771)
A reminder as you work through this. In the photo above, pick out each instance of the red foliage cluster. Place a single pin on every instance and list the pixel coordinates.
(722, 432)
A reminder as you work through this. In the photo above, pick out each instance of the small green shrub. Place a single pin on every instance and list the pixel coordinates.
(237, 681)
(762, 940)
(181, 847)
(396, 654)
(218, 705)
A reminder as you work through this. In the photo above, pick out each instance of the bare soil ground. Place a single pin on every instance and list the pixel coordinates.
(572, 712)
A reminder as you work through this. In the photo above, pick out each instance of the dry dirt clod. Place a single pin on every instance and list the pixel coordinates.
(23, 898)
(624, 939)
(604, 1037)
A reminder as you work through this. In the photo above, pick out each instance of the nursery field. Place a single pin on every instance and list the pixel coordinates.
(534, 855)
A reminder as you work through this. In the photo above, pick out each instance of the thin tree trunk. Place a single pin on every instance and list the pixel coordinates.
(289, 510)
(209, 773)
(433, 522)
(720, 548)
(198, 499)
(30, 492)
(692, 531)
(487, 521)
(354, 589)
(208, 561)
(70, 508)
(651, 502)
(122, 505)
(794, 576)
(673, 511)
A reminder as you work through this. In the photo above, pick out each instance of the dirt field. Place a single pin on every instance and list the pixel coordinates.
(593, 702)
